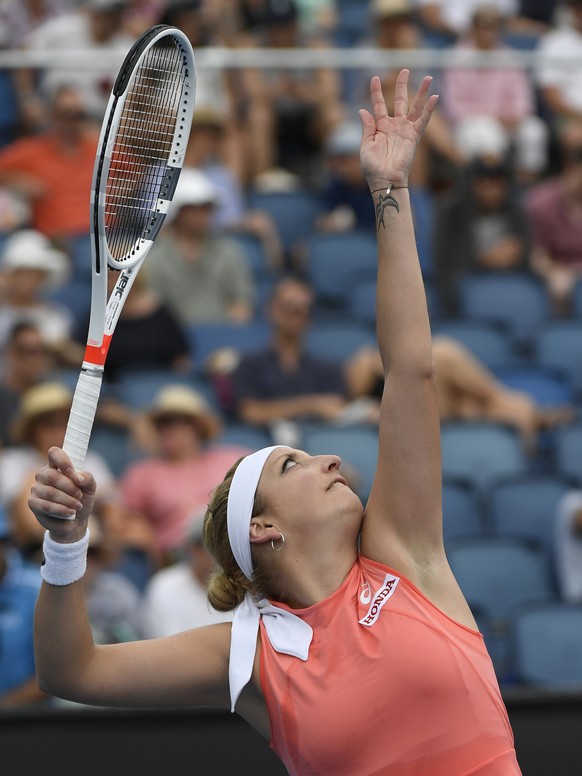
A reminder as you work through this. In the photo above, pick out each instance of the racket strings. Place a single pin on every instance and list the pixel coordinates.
(142, 147)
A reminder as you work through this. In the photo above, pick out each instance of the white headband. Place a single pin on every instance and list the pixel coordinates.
(287, 633)
(239, 509)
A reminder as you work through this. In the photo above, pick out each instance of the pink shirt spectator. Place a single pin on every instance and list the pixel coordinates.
(502, 93)
(169, 493)
(553, 228)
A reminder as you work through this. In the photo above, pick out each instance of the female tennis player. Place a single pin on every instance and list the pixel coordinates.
(352, 648)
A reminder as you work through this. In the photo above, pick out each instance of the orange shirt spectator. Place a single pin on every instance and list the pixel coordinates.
(53, 170)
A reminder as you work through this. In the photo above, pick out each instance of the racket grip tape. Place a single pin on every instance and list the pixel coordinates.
(81, 417)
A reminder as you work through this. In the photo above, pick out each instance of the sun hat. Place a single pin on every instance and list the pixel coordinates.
(37, 401)
(30, 249)
(382, 9)
(182, 400)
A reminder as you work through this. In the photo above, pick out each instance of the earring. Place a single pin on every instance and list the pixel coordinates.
(280, 539)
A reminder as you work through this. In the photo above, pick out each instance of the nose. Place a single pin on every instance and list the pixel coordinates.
(331, 462)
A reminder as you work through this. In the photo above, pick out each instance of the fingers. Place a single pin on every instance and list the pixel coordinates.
(59, 460)
(427, 110)
(401, 94)
(420, 99)
(59, 491)
(368, 125)
(377, 97)
(55, 494)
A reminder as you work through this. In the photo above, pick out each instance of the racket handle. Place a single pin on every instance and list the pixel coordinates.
(82, 416)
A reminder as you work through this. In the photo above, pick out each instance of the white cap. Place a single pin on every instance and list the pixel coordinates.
(29, 249)
(194, 188)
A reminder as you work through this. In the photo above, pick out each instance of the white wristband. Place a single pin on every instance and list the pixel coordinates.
(63, 564)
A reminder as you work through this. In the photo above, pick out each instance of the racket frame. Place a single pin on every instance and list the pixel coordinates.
(105, 312)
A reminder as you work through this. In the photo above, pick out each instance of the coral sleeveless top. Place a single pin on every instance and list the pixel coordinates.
(392, 687)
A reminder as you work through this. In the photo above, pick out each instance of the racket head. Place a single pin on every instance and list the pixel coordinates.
(142, 147)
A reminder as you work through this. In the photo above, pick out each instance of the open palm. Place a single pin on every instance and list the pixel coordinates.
(389, 142)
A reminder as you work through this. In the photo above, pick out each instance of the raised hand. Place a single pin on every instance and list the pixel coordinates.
(389, 142)
(60, 492)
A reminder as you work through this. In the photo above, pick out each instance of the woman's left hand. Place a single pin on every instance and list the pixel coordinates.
(389, 142)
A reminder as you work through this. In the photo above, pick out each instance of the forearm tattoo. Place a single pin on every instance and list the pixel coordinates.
(384, 201)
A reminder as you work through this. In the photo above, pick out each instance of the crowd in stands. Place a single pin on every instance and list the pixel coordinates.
(252, 321)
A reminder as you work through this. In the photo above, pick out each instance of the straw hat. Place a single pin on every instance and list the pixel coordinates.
(383, 9)
(29, 249)
(181, 400)
(37, 401)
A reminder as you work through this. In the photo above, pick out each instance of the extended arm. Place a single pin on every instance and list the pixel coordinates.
(403, 517)
(184, 670)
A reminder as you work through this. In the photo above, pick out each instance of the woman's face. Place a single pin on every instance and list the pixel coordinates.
(303, 494)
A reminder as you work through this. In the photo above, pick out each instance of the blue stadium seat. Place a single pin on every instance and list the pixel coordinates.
(567, 451)
(338, 340)
(138, 386)
(245, 435)
(498, 576)
(525, 507)
(361, 301)
(549, 387)
(76, 296)
(335, 262)
(254, 253)
(81, 257)
(205, 338)
(518, 301)
(462, 510)
(559, 347)
(293, 212)
(486, 341)
(356, 445)
(115, 445)
(481, 452)
(547, 641)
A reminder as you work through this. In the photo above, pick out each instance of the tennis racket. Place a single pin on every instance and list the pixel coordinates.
(138, 162)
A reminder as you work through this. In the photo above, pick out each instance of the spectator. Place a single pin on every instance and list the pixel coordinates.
(19, 586)
(480, 225)
(568, 547)
(27, 361)
(95, 28)
(38, 166)
(175, 479)
(283, 385)
(553, 207)
(291, 110)
(41, 423)
(466, 389)
(213, 150)
(175, 599)
(215, 87)
(445, 21)
(147, 334)
(505, 95)
(30, 267)
(559, 82)
(345, 194)
(18, 19)
(200, 274)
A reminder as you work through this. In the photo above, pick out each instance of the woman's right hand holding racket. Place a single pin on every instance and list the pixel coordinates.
(61, 498)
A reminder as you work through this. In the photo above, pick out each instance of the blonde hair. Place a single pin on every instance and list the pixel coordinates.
(227, 585)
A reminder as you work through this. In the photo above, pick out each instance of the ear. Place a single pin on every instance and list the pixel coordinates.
(262, 530)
